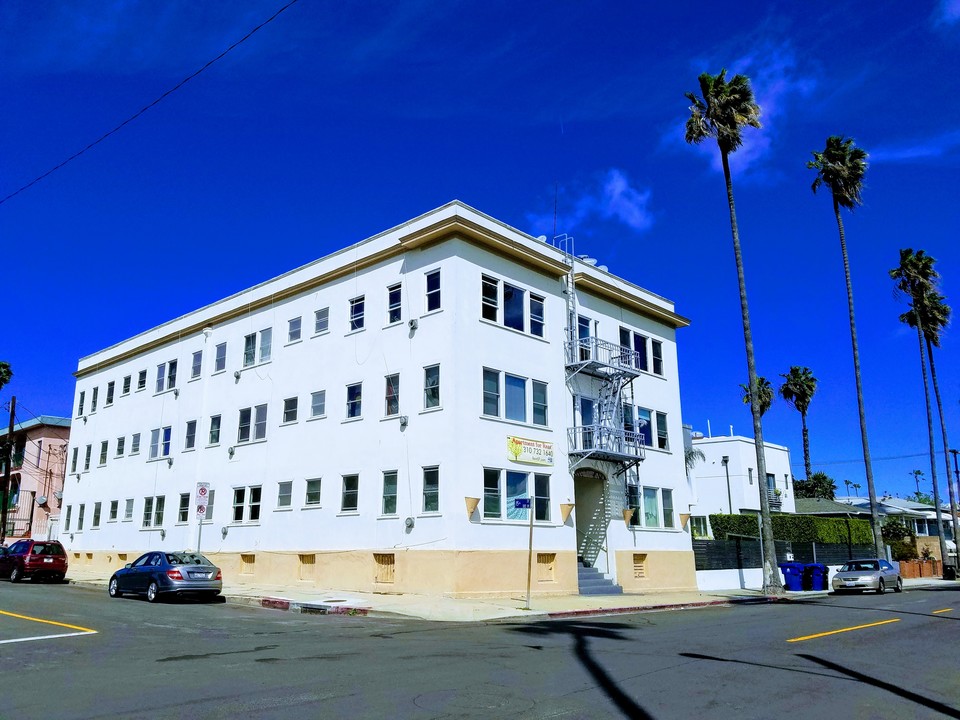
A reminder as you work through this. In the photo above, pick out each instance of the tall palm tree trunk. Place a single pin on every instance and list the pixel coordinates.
(806, 445)
(946, 447)
(933, 448)
(771, 571)
(871, 488)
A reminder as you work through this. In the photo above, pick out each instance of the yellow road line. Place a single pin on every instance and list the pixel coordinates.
(48, 622)
(942, 611)
(843, 630)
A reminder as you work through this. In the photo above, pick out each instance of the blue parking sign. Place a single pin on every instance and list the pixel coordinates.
(521, 503)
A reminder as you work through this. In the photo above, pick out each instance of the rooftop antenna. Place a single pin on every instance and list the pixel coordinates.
(556, 200)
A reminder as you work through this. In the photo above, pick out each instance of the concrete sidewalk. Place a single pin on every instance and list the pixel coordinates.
(427, 607)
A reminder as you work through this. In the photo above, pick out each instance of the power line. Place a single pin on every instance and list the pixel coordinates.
(142, 110)
(799, 463)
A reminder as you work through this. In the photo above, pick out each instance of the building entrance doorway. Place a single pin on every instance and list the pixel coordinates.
(592, 518)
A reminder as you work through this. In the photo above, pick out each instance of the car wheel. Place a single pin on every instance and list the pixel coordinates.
(880, 587)
(16, 575)
(113, 589)
(899, 585)
(153, 592)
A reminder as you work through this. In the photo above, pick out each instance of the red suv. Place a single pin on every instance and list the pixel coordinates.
(33, 558)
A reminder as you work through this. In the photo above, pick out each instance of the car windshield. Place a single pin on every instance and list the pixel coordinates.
(186, 558)
(48, 549)
(861, 566)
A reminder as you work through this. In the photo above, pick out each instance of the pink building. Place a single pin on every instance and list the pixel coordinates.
(37, 474)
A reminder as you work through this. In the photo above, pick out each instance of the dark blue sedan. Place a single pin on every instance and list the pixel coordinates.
(155, 574)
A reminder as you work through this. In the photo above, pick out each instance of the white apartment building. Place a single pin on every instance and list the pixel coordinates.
(726, 481)
(369, 421)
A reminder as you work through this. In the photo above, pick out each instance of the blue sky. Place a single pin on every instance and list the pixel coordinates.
(339, 120)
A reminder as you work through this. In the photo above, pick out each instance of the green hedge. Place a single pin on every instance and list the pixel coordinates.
(796, 528)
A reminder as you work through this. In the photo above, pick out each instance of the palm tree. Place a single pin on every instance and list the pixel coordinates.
(848, 483)
(916, 280)
(721, 112)
(764, 394)
(799, 386)
(6, 374)
(856, 488)
(841, 167)
(691, 456)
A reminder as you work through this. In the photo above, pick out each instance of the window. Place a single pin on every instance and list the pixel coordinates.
(183, 512)
(511, 486)
(214, 430)
(160, 442)
(93, 399)
(431, 387)
(190, 438)
(541, 497)
(489, 298)
(662, 432)
(392, 395)
(246, 504)
(651, 508)
(196, 364)
(153, 511)
(128, 510)
(657, 357)
(633, 503)
(135, 444)
(83, 394)
(491, 392)
(667, 498)
(318, 403)
(80, 518)
(114, 509)
(66, 522)
(698, 526)
(356, 313)
(121, 443)
(513, 307)
(110, 387)
(354, 398)
(293, 329)
(431, 489)
(433, 290)
(491, 493)
(125, 388)
(220, 358)
(313, 492)
(644, 426)
(73, 460)
(635, 346)
(86, 457)
(515, 398)
(284, 494)
(351, 489)
(394, 314)
(142, 380)
(539, 403)
(103, 452)
(390, 492)
(321, 321)
(166, 376)
(210, 498)
(536, 315)
(259, 417)
(250, 354)
(290, 406)
(750, 475)
(96, 515)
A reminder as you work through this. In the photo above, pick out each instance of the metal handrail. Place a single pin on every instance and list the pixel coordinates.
(592, 349)
(582, 438)
(589, 539)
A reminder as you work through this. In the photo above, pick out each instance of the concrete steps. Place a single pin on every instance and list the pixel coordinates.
(592, 582)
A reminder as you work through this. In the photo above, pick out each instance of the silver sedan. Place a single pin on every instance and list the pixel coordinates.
(871, 574)
(167, 573)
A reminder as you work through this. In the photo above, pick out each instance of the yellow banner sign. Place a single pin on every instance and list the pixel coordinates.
(530, 451)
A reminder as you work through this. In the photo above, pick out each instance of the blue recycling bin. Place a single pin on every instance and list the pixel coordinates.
(815, 576)
(792, 575)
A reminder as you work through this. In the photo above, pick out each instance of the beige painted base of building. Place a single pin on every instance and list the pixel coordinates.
(429, 572)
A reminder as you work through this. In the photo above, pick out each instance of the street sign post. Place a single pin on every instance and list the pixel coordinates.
(202, 501)
(524, 504)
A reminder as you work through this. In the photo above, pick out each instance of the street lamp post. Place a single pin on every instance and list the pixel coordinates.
(726, 466)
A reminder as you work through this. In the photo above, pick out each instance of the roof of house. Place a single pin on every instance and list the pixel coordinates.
(821, 506)
(41, 421)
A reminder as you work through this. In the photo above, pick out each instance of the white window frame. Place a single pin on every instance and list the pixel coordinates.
(321, 321)
(356, 404)
(284, 494)
(250, 504)
(391, 399)
(318, 404)
(314, 488)
(356, 315)
(291, 409)
(294, 329)
(432, 296)
(394, 304)
(220, 358)
(431, 390)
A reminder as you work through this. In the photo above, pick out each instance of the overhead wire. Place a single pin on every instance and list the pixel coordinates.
(144, 109)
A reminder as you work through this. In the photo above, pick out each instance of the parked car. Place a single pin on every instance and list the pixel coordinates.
(37, 559)
(871, 574)
(157, 573)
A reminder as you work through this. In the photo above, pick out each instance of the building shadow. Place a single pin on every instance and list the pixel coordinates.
(581, 633)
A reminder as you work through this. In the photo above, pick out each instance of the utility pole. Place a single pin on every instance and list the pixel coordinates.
(5, 497)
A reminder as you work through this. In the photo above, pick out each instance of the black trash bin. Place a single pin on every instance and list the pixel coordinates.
(815, 576)
(792, 575)
(949, 572)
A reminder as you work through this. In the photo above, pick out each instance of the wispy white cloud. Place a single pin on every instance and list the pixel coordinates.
(934, 147)
(609, 197)
(777, 81)
(947, 12)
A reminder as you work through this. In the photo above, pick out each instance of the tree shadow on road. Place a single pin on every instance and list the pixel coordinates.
(582, 633)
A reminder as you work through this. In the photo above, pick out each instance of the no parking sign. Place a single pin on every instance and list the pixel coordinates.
(203, 497)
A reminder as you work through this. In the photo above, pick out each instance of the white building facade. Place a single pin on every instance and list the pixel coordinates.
(370, 420)
(726, 481)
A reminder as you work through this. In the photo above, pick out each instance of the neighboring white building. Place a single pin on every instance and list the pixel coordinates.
(726, 482)
(367, 422)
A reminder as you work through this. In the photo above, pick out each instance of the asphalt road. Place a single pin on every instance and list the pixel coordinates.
(212, 660)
